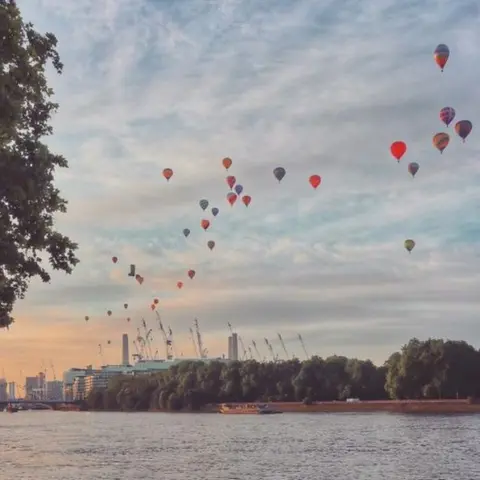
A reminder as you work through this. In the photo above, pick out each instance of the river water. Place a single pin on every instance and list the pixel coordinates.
(156, 446)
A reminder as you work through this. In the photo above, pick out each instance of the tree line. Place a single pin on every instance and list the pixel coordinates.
(431, 369)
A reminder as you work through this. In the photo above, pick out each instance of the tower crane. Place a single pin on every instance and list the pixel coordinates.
(195, 348)
(167, 341)
(148, 345)
(170, 339)
(201, 350)
(250, 352)
(270, 349)
(283, 346)
(137, 353)
(254, 343)
(302, 343)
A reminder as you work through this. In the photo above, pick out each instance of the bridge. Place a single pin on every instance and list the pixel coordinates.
(50, 404)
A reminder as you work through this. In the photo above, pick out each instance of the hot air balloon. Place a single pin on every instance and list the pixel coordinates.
(179, 284)
(152, 306)
(205, 224)
(227, 163)
(139, 278)
(441, 140)
(463, 128)
(238, 189)
(441, 54)
(246, 199)
(125, 306)
(398, 149)
(109, 313)
(191, 274)
(114, 259)
(167, 173)
(211, 244)
(186, 232)
(215, 211)
(231, 181)
(128, 319)
(447, 114)
(109, 342)
(87, 318)
(413, 168)
(132, 271)
(155, 301)
(203, 204)
(232, 198)
(315, 180)
(279, 173)
(409, 245)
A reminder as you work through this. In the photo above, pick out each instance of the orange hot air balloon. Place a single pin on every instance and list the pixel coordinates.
(179, 284)
(398, 149)
(191, 274)
(441, 141)
(155, 301)
(315, 181)
(205, 224)
(246, 199)
(168, 173)
(114, 259)
(232, 198)
(231, 181)
(227, 163)
(152, 306)
(441, 54)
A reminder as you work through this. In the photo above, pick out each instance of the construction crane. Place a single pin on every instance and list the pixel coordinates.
(270, 349)
(195, 348)
(148, 344)
(137, 353)
(170, 338)
(283, 346)
(302, 343)
(244, 350)
(254, 343)
(167, 341)
(201, 350)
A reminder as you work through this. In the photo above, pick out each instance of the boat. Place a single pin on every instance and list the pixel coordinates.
(11, 409)
(247, 409)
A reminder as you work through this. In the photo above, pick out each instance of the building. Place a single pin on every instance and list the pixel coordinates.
(233, 347)
(31, 386)
(54, 390)
(12, 395)
(69, 379)
(125, 354)
(78, 387)
(3, 390)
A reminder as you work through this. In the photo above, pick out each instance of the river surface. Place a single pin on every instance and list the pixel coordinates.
(157, 446)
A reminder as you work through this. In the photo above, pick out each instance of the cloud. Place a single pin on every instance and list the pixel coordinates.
(314, 88)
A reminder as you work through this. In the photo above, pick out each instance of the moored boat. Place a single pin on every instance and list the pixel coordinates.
(11, 409)
(247, 409)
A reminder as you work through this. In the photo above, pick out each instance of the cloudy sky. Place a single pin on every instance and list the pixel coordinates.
(315, 87)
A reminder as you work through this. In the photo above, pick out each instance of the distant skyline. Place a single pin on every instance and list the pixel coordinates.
(315, 87)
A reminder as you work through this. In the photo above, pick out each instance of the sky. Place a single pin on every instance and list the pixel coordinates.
(314, 87)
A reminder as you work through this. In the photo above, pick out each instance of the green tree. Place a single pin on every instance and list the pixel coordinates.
(28, 197)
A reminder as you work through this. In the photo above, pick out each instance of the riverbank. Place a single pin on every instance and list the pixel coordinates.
(393, 406)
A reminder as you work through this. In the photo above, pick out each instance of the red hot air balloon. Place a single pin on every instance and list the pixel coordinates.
(227, 163)
(179, 284)
(155, 301)
(398, 149)
(246, 199)
(441, 54)
(463, 128)
(114, 259)
(232, 198)
(205, 224)
(191, 274)
(152, 306)
(315, 181)
(168, 173)
(231, 181)
(128, 319)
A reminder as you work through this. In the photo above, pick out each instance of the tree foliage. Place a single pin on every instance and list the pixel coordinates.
(28, 197)
(432, 369)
